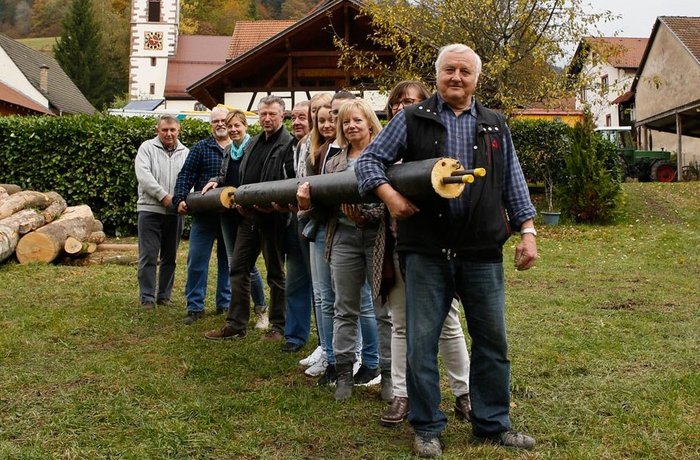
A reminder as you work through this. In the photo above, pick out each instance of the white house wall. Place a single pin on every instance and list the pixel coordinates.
(599, 102)
(15, 79)
(670, 77)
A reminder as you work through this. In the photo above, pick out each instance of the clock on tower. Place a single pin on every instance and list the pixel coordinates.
(153, 41)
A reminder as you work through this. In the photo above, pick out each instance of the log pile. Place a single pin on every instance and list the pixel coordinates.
(40, 227)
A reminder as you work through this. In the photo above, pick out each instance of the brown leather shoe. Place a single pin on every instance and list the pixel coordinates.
(226, 332)
(273, 335)
(396, 413)
(463, 407)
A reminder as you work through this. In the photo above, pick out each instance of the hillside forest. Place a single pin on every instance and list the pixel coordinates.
(45, 18)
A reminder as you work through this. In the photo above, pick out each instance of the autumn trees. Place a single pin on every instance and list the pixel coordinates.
(519, 41)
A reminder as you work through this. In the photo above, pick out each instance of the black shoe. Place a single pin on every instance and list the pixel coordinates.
(221, 310)
(290, 347)
(328, 377)
(192, 317)
(365, 375)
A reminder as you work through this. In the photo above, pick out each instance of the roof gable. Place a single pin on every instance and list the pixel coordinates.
(197, 56)
(62, 93)
(302, 57)
(11, 96)
(249, 34)
(687, 29)
(619, 52)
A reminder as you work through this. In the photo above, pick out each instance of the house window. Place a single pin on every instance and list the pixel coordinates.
(153, 10)
(604, 85)
(153, 89)
(153, 62)
(608, 120)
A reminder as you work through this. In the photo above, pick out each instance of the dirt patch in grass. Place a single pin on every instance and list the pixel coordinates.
(629, 305)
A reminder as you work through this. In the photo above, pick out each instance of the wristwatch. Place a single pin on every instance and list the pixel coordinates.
(526, 230)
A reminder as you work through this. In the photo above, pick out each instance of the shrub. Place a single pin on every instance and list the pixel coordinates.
(592, 191)
(541, 146)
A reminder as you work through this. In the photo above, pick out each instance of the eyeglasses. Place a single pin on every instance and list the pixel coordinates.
(403, 102)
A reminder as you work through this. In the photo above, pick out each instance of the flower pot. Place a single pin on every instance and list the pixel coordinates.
(550, 217)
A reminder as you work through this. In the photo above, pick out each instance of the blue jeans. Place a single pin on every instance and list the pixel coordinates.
(368, 339)
(431, 282)
(229, 229)
(206, 228)
(298, 289)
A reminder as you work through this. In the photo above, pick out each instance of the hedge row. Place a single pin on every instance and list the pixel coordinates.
(89, 159)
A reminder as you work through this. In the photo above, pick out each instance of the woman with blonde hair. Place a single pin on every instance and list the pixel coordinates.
(354, 248)
(237, 127)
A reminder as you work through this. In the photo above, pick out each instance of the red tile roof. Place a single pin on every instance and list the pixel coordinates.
(11, 96)
(196, 57)
(687, 29)
(625, 52)
(249, 34)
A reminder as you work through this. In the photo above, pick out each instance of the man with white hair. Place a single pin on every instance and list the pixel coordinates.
(203, 163)
(450, 247)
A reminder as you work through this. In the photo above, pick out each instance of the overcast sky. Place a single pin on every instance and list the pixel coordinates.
(638, 16)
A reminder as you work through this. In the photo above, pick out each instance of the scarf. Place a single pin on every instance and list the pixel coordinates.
(237, 152)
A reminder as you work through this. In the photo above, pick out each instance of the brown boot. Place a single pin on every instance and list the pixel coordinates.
(396, 413)
(463, 408)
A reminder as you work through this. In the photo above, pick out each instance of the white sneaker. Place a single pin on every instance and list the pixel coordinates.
(318, 368)
(261, 320)
(313, 357)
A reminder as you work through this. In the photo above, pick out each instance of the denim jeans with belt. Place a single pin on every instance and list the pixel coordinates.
(206, 228)
(431, 282)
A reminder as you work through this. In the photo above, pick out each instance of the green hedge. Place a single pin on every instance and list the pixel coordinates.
(87, 159)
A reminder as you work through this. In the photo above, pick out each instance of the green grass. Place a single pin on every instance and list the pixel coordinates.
(604, 343)
(43, 44)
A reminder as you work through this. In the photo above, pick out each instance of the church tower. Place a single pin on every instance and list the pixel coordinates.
(154, 32)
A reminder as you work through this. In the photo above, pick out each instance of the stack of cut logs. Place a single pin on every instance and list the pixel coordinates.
(39, 227)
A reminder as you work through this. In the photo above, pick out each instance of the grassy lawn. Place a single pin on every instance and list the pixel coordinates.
(604, 341)
(43, 44)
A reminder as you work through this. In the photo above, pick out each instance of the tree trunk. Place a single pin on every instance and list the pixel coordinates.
(118, 247)
(97, 237)
(55, 209)
(46, 243)
(11, 228)
(97, 226)
(77, 248)
(11, 189)
(22, 200)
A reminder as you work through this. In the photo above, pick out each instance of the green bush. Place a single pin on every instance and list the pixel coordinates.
(87, 159)
(592, 191)
(541, 146)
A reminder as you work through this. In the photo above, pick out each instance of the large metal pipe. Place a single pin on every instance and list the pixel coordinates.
(417, 178)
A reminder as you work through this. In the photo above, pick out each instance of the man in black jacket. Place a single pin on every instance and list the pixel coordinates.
(260, 230)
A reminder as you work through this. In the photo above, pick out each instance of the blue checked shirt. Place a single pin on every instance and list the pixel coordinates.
(387, 148)
(203, 163)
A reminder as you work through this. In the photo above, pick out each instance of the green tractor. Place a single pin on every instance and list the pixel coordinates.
(645, 165)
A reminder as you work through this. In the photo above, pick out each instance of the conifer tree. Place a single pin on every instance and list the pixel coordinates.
(79, 51)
